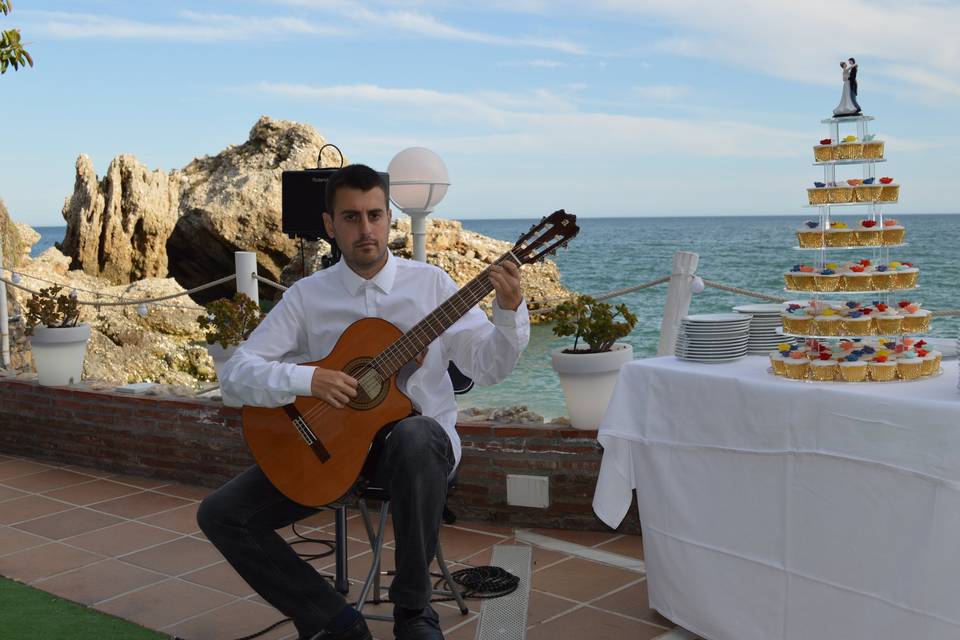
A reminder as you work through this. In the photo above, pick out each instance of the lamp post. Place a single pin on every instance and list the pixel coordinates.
(418, 182)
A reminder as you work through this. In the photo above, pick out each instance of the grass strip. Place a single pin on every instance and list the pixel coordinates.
(30, 614)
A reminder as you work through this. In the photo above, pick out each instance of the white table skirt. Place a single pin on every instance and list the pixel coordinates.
(775, 509)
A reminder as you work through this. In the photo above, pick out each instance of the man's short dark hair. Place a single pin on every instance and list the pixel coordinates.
(852, 61)
(354, 176)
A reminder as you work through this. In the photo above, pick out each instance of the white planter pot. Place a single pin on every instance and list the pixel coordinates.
(220, 355)
(58, 353)
(588, 380)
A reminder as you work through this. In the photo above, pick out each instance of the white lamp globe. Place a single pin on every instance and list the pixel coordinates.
(418, 179)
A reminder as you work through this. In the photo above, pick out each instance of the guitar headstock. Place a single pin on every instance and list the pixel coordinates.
(545, 237)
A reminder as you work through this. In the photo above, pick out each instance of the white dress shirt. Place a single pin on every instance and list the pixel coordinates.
(307, 322)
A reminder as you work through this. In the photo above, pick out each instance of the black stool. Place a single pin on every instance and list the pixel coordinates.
(371, 589)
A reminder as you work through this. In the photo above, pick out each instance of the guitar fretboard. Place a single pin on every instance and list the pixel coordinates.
(426, 331)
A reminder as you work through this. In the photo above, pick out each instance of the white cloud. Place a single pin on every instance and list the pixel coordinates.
(661, 92)
(536, 63)
(425, 25)
(541, 122)
(195, 27)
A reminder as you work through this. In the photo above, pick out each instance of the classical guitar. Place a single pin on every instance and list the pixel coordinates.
(313, 452)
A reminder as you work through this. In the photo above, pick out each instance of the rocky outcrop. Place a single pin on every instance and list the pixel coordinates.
(10, 237)
(231, 202)
(118, 227)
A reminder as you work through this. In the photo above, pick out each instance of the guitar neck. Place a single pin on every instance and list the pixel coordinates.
(440, 319)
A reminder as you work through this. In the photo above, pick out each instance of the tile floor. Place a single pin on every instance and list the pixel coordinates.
(131, 547)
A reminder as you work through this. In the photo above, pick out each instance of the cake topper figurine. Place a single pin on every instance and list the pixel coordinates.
(848, 100)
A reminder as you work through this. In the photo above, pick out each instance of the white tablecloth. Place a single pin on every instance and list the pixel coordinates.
(774, 509)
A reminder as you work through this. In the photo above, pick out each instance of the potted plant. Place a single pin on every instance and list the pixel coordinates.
(58, 341)
(228, 322)
(588, 372)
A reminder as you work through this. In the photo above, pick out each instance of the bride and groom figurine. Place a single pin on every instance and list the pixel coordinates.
(848, 101)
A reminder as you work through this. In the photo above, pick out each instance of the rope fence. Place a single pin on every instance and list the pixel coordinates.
(275, 285)
(121, 301)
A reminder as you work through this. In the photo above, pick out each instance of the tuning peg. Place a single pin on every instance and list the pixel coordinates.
(564, 244)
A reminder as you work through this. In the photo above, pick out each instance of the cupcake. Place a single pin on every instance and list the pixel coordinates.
(827, 280)
(909, 365)
(801, 278)
(853, 369)
(827, 323)
(873, 150)
(810, 235)
(883, 368)
(893, 232)
(825, 152)
(852, 150)
(795, 319)
(858, 277)
(915, 319)
(797, 366)
(778, 358)
(840, 195)
(927, 362)
(869, 234)
(887, 321)
(890, 193)
(868, 192)
(818, 195)
(857, 323)
(884, 278)
(824, 369)
(907, 275)
(840, 235)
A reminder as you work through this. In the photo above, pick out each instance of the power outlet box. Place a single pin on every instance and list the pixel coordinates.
(528, 491)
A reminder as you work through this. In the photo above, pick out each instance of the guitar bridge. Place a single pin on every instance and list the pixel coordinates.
(308, 436)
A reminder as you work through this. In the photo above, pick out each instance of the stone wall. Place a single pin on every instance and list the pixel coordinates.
(198, 441)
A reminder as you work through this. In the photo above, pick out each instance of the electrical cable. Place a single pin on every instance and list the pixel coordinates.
(479, 583)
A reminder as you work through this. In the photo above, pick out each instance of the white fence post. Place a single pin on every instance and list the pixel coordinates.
(246, 262)
(4, 328)
(679, 292)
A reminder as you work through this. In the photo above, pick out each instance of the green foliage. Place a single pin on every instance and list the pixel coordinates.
(594, 322)
(230, 322)
(50, 308)
(12, 53)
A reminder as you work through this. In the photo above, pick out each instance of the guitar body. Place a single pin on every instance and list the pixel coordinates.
(318, 475)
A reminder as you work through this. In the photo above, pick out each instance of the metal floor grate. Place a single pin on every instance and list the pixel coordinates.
(506, 618)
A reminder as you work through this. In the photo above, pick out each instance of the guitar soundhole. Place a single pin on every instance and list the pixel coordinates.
(371, 390)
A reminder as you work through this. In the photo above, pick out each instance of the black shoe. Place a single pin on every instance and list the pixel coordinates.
(357, 631)
(424, 625)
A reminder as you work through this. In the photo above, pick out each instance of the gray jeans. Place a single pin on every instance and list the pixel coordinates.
(241, 518)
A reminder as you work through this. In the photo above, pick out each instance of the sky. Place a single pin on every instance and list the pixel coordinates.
(606, 108)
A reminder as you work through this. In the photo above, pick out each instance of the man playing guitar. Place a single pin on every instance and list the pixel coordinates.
(420, 453)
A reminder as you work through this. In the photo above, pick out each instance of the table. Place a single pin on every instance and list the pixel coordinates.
(776, 509)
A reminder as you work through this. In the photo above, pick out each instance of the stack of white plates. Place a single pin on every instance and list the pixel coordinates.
(713, 337)
(763, 327)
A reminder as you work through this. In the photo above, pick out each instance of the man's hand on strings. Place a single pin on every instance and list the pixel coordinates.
(336, 388)
(505, 278)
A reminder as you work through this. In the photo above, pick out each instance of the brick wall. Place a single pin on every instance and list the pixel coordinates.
(198, 441)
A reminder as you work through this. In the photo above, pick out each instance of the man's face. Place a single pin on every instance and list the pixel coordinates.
(361, 226)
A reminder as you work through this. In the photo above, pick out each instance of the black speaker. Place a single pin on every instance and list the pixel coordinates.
(302, 201)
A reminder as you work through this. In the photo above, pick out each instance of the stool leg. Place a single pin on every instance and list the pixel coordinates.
(450, 583)
(341, 583)
(373, 576)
